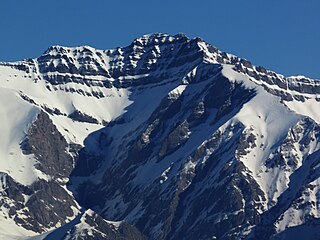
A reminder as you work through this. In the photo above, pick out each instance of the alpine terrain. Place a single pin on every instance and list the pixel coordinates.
(165, 139)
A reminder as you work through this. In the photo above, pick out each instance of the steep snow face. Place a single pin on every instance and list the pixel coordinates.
(310, 108)
(62, 101)
(263, 120)
(16, 116)
(25, 93)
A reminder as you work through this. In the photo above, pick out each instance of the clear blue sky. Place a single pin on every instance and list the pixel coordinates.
(282, 35)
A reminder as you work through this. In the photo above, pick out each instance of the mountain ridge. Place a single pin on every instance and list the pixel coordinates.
(169, 135)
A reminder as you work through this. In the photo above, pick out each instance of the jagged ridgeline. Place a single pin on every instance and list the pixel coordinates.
(168, 138)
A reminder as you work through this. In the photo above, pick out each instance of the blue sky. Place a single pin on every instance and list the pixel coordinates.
(281, 35)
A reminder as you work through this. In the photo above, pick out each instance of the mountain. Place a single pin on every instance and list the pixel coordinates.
(167, 138)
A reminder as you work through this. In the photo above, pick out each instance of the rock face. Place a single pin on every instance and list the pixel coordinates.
(167, 138)
(45, 204)
(50, 148)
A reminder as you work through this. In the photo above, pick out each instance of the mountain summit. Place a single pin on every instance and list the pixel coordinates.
(167, 138)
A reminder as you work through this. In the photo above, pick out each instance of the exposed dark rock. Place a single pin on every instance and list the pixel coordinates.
(38, 207)
(82, 117)
(177, 137)
(26, 98)
(246, 143)
(50, 148)
(53, 111)
(49, 205)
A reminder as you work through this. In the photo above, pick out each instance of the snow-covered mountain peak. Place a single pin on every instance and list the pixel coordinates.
(159, 38)
(56, 49)
(166, 121)
(62, 50)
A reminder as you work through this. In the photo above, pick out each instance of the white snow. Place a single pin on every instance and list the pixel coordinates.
(103, 109)
(263, 115)
(16, 116)
(310, 108)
